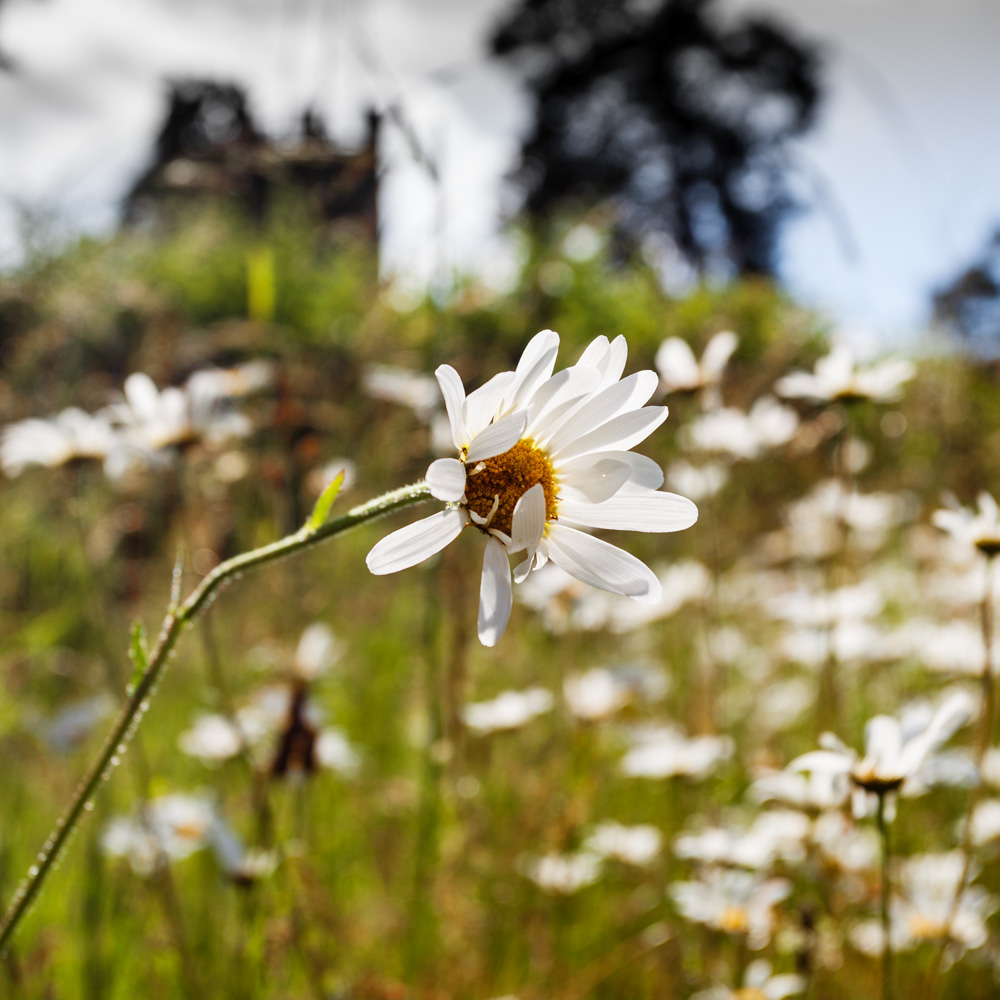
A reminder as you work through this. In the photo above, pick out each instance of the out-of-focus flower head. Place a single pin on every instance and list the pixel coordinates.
(509, 710)
(632, 845)
(70, 436)
(563, 874)
(601, 691)
(737, 435)
(979, 528)
(151, 421)
(812, 792)
(733, 901)
(699, 482)
(681, 371)
(168, 828)
(416, 390)
(664, 752)
(773, 836)
(839, 377)
(896, 751)
(924, 908)
(758, 984)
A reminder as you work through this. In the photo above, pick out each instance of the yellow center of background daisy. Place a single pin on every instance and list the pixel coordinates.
(509, 476)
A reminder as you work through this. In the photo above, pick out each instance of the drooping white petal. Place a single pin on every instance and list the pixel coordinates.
(594, 561)
(621, 432)
(649, 511)
(629, 394)
(416, 542)
(592, 478)
(528, 521)
(482, 404)
(498, 437)
(495, 595)
(446, 478)
(454, 398)
(534, 366)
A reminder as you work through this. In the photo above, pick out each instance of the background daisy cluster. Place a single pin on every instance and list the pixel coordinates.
(338, 792)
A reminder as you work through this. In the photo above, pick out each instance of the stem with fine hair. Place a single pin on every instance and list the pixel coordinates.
(883, 829)
(177, 618)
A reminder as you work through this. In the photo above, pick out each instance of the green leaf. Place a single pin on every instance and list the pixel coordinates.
(138, 654)
(322, 509)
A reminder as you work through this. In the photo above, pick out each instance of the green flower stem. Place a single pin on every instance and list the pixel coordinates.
(883, 829)
(177, 618)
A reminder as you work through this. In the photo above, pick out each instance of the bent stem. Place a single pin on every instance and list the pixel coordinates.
(177, 618)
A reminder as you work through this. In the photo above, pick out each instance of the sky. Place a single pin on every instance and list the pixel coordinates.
(899, 174)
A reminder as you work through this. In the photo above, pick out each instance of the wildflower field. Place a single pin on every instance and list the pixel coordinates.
(743, 744)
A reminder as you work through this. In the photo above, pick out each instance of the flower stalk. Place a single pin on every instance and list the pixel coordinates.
(883, 829)
(178, 617)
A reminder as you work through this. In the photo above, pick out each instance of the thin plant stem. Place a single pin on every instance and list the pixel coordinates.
(883, 829)
(178, 617)
(980, 749)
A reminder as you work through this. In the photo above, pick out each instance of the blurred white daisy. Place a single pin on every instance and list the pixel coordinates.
(758, 984)
(318, 650)
(733, 901)
(633, 845)
(563, 874)
(838, 376)
(699, 482)
(680, 370)
(924, 908)
(168, 828)
(541, 456)
(509, 710)
(774, 835)
(72, 435)
(812, 792)
(601, 691)
(978, 528)
(664, 752)
(896, 750)
(730, 432)
(400, 385)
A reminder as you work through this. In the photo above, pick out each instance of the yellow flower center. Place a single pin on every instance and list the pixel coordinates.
(925, 929)
(750, 993)
(733, 920)
(504, 479)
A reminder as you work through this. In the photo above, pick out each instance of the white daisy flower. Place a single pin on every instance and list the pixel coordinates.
(979, 529)
(897, 751)
(664, 752)
(838, 376)
(632, 845)
(681, 371)
(758, 984)
(72, 435)
(563, 873)
(540, 457)
(509, 710)
(730, 432)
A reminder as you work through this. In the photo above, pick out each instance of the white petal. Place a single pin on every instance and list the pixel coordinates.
(528, 382)
(629, 394)
(676, 364)
(446, 478)
(570, 384)
(595, 353)
(495, 595)
(615, 364)
(416, 542)
(482, 404)
(528, 521)
(498, 437)
(454, 398)
(649, 511)
(592, 478)
(644, 473)
(142, 395)
(621, 432)
(536, 362)
(718, 351)
(601, 564)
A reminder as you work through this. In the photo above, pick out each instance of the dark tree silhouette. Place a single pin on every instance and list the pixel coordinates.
(679, 118)
(970, 303)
